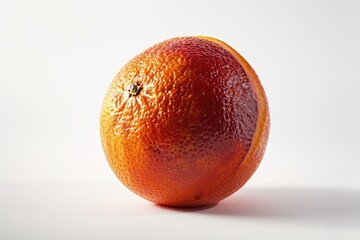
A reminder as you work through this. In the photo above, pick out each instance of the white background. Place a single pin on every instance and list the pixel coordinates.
(57, 59)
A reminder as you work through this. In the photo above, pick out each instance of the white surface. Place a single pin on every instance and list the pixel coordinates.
(105, 211)
(57, 59)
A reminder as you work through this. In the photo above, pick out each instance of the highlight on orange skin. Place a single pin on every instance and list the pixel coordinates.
(197, 129)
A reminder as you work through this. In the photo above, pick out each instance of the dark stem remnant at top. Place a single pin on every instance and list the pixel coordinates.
(134, 89)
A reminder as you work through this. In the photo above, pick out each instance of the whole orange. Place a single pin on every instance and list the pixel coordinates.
(185, 123)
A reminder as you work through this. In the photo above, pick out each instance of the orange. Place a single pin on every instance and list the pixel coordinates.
(185, 123)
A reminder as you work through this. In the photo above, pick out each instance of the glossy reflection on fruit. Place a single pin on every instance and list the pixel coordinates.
(185, 123)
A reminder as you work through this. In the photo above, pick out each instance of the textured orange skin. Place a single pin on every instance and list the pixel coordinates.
(198, 128)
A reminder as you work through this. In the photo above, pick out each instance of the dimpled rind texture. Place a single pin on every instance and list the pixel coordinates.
(187, 138)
